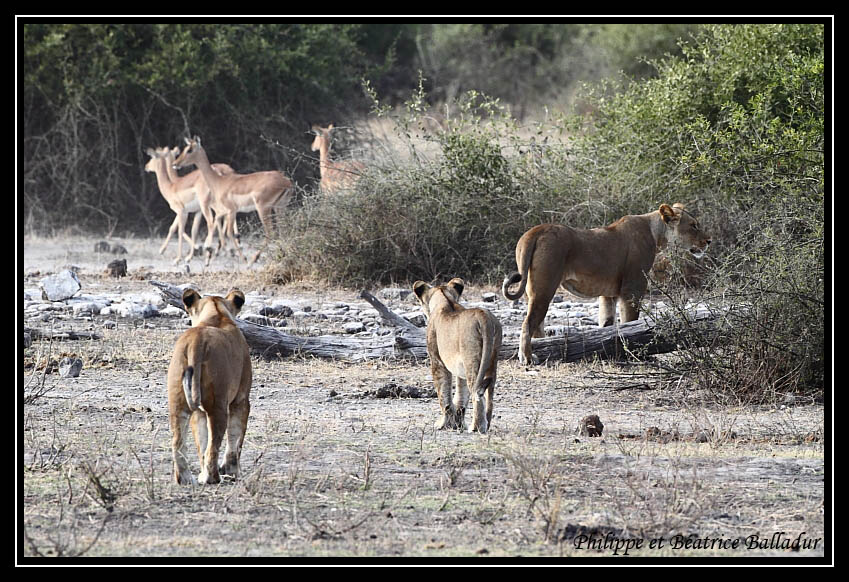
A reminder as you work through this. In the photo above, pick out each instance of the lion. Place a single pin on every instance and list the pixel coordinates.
(209, 383)
(609, 263)
(462, 343)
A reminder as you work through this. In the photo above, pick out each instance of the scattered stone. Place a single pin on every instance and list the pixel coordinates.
(417, 318)
(263, 320)
(590, 426)
(171, 311)
(392, 390)
(117, 268)
(354, 327)
(102, 247)
(70, 367)
(86, 308)
(118, 250)
(395, 293)
(60, 286)
(27, 339)
(489, 297)
(276, 310)
(134, 310)
(664, 436)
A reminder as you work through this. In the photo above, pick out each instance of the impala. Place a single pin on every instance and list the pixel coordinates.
(206, 199)
(234, 192)
(334, 175)
(184, 194)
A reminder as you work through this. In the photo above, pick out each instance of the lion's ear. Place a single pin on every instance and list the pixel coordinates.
(666, 213)
(458, 285)
(419, 287)
(190, 299)
(237, 298)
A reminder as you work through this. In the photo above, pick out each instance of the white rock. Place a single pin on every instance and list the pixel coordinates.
(134, 310)
(70, 367)
(395, 293)
(171, 311)
(60, 286)
(417, 318)
(79, 307)
(354, 327)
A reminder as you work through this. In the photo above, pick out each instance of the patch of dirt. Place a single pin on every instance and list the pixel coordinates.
(342, 459)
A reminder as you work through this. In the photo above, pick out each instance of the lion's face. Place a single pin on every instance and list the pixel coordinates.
(684, 230)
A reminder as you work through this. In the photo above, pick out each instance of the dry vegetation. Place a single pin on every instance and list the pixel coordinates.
(330, 470)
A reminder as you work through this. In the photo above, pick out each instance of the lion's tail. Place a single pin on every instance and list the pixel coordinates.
(192, 379)
(482, 381)
(523, 261)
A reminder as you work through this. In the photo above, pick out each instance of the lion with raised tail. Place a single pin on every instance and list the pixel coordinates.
(609, 263)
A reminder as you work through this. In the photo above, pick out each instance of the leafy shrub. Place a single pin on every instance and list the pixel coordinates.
(735, 129)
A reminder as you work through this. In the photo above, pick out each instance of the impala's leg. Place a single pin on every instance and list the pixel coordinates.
(195, 229)
(181, 232)
(231, 229)
(171, 232)
(265, 217)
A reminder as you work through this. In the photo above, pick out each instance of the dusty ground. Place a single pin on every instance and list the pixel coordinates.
(330, 470)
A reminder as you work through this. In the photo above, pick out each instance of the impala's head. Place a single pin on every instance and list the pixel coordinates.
(156, 156)
(322, 135)
(190, 153)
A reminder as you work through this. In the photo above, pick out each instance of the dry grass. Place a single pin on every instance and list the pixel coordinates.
(329, 471)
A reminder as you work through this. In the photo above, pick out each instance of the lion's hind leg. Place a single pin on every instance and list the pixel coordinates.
(442, 381)
(179, 448)
(461, 402)
(236, 426)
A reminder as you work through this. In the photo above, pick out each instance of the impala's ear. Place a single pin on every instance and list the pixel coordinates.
(188, 141)
(329, 127)
(150, 152)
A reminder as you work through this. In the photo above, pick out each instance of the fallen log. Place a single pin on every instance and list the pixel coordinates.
(68, 334)
(578, 343)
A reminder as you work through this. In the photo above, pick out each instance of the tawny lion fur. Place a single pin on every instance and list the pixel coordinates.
(609, 263)
(463, 344)
(209, 383)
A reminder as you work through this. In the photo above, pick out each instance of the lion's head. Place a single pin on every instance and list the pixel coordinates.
(683, 229)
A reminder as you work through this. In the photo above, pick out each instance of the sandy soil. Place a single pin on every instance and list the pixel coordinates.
(330, 470)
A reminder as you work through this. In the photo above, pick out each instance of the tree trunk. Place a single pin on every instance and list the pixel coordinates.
(579, 343)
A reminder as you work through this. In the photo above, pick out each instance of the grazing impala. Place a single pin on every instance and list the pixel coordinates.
(334, 175)
(234, 192)
(185, 195)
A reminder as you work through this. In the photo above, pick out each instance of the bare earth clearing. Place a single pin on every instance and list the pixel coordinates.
(331, 469)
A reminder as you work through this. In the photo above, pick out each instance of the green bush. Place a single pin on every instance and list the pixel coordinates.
(735, 129)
